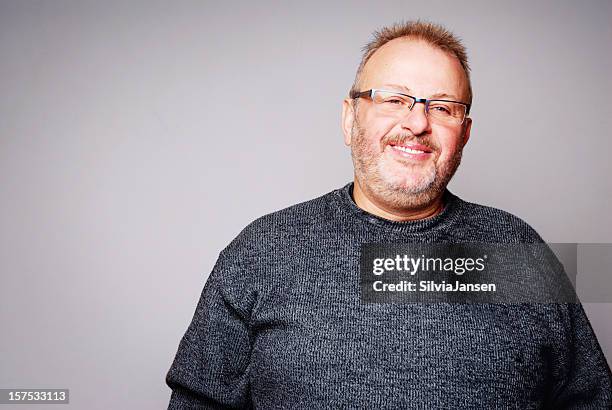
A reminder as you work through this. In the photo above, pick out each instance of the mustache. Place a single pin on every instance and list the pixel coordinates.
(398, 139)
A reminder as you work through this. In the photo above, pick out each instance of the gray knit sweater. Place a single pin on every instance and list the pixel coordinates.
(280, 324)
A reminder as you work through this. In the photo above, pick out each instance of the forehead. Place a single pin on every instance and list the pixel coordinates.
(417, 67)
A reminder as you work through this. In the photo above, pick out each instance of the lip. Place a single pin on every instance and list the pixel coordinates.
(420, 156)
(417, 147)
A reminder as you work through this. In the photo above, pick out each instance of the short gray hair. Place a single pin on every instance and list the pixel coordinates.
(433, 34)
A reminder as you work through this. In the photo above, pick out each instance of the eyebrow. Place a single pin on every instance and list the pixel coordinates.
(409, 91)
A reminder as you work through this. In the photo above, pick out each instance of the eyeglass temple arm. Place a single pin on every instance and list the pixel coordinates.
(358, 94)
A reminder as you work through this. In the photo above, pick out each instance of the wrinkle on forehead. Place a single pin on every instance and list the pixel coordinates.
(409, 91)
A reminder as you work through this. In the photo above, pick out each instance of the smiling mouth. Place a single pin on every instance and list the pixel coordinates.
(412, 148)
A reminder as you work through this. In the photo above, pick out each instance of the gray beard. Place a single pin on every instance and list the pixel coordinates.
(397, 196)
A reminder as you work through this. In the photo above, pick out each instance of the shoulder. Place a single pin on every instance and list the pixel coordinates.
(291, 224)
(246, 262)
(493, 224)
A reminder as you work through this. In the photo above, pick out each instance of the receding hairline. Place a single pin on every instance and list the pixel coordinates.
(432, 34)
(415, 39)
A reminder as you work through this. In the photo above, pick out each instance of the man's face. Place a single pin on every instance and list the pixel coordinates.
(385, 171)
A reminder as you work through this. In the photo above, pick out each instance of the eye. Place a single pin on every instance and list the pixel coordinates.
(396, 101)
(440, 109)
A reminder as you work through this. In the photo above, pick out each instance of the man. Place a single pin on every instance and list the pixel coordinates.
(280, 322)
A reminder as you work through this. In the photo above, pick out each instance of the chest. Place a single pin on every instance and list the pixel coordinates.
(329, 347)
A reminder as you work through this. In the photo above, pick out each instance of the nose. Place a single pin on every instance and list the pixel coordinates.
(415, 120)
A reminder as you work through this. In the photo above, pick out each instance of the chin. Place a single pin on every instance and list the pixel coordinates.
(402, 198)
(410, 183)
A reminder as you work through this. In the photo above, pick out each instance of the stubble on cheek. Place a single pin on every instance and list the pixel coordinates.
(399, 185)
(384, 174)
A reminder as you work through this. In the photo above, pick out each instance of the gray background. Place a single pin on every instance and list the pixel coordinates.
(138, 138)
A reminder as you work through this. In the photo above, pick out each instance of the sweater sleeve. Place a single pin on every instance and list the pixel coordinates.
(583, 379)
(211, 366)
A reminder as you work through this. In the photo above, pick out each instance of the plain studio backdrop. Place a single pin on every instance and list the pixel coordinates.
(138, 139)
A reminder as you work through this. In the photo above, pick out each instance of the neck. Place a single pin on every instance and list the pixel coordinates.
(374, 207)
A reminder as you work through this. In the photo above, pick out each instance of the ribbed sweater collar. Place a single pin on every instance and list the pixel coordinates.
(347, 206)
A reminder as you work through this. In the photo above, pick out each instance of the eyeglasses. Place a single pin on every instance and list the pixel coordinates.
(396, 103)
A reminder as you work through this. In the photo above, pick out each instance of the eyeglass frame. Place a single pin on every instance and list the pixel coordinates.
(370, 93)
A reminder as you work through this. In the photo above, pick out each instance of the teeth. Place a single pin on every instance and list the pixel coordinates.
(411, 151)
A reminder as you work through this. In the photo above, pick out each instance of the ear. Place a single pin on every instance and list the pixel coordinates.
(348, 116)
(467, 129)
